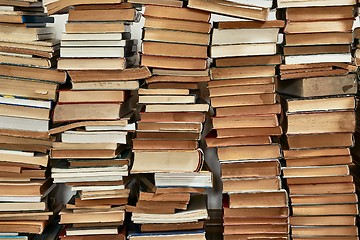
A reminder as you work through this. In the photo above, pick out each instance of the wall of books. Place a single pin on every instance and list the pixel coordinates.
(217, 119)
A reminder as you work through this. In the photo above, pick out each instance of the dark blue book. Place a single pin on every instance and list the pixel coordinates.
(37, 19)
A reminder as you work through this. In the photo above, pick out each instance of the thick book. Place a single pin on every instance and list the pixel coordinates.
(230, 8)
(319, 86)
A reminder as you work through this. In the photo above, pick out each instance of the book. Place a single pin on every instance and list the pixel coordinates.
(231, 9)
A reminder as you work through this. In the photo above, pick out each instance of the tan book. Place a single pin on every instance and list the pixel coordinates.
(174, 50)
(323, 49)
(322, 122)
(249, 24)
(116, 216)
(90, 96)
(244, 100)
(323, 171)
(167, 99)
(319, 13)
(332, 188)
(27, 61)
(48, 75)
(244, 132)
(316, 180)
(324, 199)
(176, 13)
(143, 144)
(318, 161)
(251, 184)
(275, 236)
(316, 152)
(320, 26)
(241, 82)
(173, 62)
(28, 89)
(318, 38)
(167, 161)
(90, 64)
(87, 111)
(76, 15)
(212, 142)
(248, 49)
(332, 85)
(31, 188)
(34, 227)
(247, 121)
(258, 199)
(253, 169)
(231, 9)
(112, 75)
(178, 25)
(322, 220)
(242, 72)
(244, 221)
(293, 105)
(169, 127)
(168, 135)
(248, 61)
(85, 153)
(257, 228)
(172, 36)
(190, 117)
(176, 79)
(249, 152)
(241, 90)
(24, 112)
(93, 27)
(278, 212)
(248, 110)
(325, 231)
(326, 140)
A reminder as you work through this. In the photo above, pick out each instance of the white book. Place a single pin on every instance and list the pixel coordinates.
(196, 179)
(94, 36)
(93, 231)
(25, 102)
(257, 3)
(97, 188)
(92, 52)
(19, 153)
(128, 127)
(25, 124)
(319, 58)
(94, 137)
(120, 170)
(84, 174)
(240, 36)
(87, 179)
(242, 50)
(119, 43)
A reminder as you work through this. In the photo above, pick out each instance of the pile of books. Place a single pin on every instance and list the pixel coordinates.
(98, 37)
(317, 49)
(246, 128)
(171, 202)
(95, 119)
(28, 88)
(320, 119)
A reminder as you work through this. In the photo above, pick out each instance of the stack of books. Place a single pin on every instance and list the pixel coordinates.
(246, 128)
(171, 203)
(318, 163)
(28, 88)
(94, 121)
(98, 37)
(318, 40)
(320, 118)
